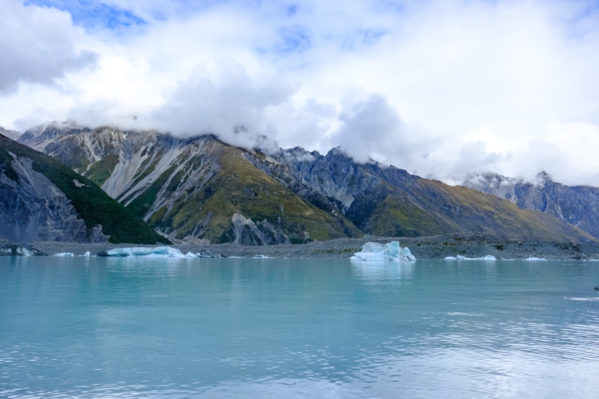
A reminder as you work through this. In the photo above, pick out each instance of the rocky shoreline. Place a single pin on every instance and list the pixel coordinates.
(422, 247)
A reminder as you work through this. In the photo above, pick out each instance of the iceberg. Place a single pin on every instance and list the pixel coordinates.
(375, 252)
(150, 252)
(490, 258)
(64, 254)
(261, 257)
(535, 259)
(15, 250)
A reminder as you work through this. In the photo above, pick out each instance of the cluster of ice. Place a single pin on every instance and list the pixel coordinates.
(375, 252)
(535, 259)
(460, 257)
(16, 251)
(64, 254)
(261, 257)
(150, 252)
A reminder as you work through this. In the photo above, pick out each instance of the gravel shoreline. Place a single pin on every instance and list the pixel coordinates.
(421, 247)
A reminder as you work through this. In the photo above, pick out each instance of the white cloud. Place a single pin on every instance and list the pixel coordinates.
(230, 102)
(37, 45)
(371, 128)
(438, 88)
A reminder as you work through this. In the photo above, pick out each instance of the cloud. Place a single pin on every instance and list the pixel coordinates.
(37, 45)
(441, 88)
(229, 103)
(371, 128)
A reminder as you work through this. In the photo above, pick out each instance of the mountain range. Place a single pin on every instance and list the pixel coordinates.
(201, 188)
(577, 205)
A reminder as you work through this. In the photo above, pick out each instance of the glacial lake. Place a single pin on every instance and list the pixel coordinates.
(297, 328)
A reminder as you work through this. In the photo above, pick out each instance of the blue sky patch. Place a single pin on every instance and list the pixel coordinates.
(292, 10)
(92, 14)
(293, 40)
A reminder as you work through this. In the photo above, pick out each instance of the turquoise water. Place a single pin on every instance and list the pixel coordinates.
(297, 328)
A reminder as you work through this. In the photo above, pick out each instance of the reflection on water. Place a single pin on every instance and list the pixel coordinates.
(126, 327)
(376, 271)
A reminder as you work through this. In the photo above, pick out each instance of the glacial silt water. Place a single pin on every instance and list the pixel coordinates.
(297, 328)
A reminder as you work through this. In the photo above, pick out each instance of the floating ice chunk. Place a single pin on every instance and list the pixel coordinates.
(487, 258)
(150, 252)
(22, 251)
(87, 254)
(261, 257)
(375, 252)
(64, 254)
(15, 250)
(207, 254)
(535, 259)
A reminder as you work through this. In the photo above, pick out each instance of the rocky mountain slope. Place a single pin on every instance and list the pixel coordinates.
(577, 205)
(387, 201)
(43, 200)
(197, 188)
(202, 188)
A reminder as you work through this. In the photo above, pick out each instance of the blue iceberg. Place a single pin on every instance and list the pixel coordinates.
(150, 252)
(375, 252)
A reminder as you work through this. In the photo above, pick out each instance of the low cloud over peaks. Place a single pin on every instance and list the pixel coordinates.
(225, 104)
(441, 88)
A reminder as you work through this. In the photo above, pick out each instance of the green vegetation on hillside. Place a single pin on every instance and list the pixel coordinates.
(92, 204)
(100, 171)
(240, 187)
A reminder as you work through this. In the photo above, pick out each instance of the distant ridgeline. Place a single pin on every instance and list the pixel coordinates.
(202, 188)
(577, 205)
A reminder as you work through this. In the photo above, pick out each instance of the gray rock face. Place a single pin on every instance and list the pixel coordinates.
(34, 209)
(345, 185)
(577, 205)
(248, 232)
(140, 159)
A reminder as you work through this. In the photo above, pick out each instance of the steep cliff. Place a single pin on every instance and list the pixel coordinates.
(42, 199)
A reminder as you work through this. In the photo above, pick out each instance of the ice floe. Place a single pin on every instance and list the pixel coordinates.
(488, 258)
(14, 250)
(149, 252)
(535, 259)
(64, 254)
(261, 257)
(375, 252)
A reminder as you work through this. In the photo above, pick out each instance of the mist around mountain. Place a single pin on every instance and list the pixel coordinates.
(577, 205)
(202, 188)
(41, 199)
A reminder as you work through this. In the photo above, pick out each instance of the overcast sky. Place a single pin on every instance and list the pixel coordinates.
(439, 88)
